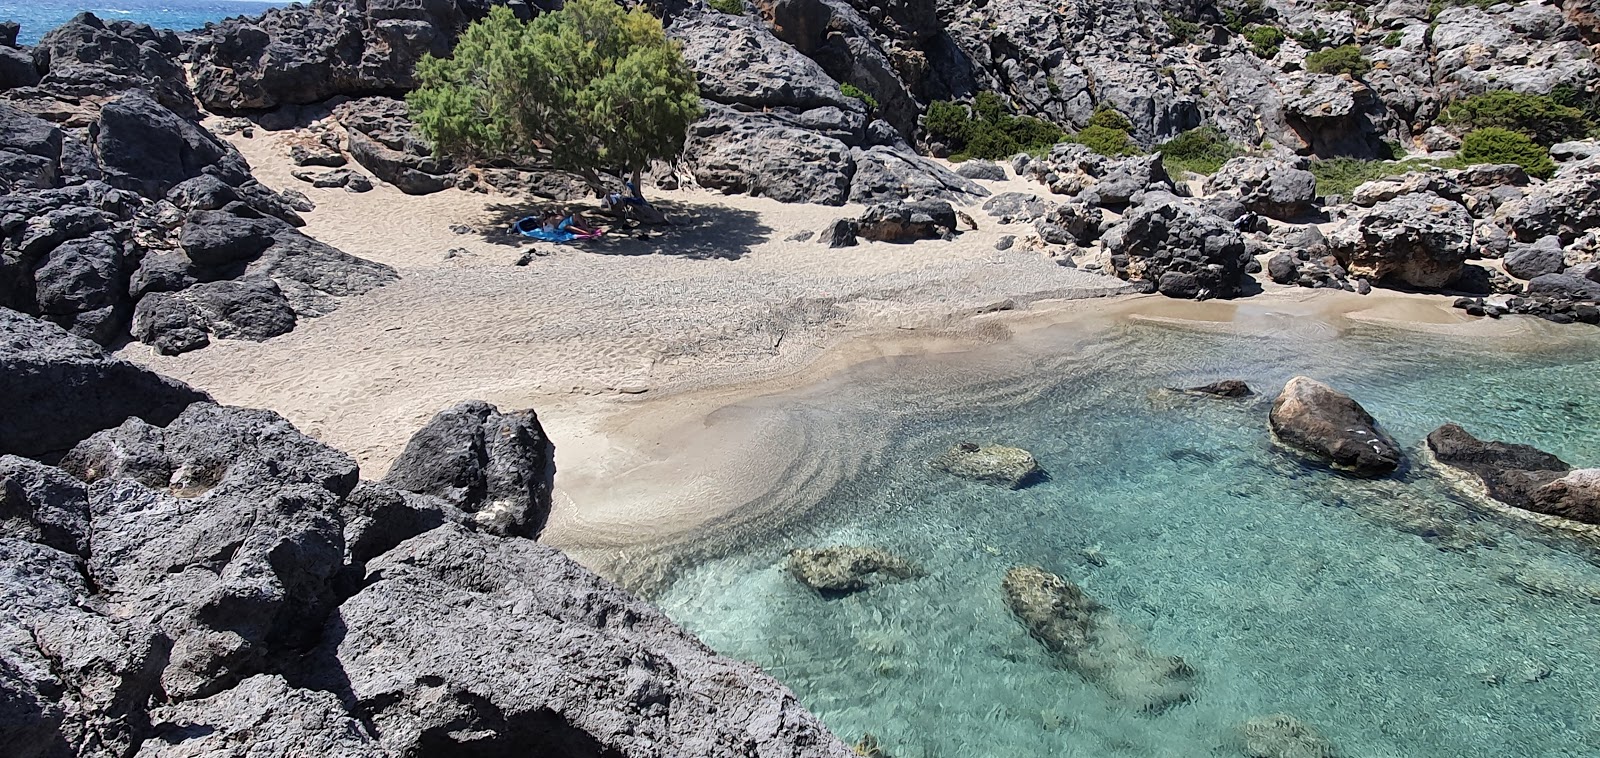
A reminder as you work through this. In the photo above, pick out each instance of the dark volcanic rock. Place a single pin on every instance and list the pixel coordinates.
(1312, 417)
(1526, 261)
(907, 222)
(384, 142)
(219, 238)
(579, 667)
(42, 504)
(1509, 471)
(1086, 637)
(1204, 252)
(1269, 187)
(57, 389)
(262, 716)
(87, 58)
(246, 309)
(496, 466)
(30, 150)
(1575, 496)
(146, 148)
(1231, 388)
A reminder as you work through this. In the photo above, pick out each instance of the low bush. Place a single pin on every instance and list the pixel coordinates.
(1345, 59)
(1112, 143)
(1339, 176)
(987, 130)
(1264, 40)
(730, 7)
(1540, 117)
(1181, 30)
(1496, 145)
(1202, 150)
(850, 90)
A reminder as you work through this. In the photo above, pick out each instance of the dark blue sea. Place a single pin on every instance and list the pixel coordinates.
(41, 16)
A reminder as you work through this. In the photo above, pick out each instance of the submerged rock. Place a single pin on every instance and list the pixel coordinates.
(1230, 388)
(1090, 640)
(1283, 736)
(992, 464)
(1317, 419)
(1509, 471)
(844, 569)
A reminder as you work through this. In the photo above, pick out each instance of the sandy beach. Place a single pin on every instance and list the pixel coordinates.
(647, 360)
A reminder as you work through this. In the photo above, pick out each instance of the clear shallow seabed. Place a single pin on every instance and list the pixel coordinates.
(182, 15)
(1392, 616)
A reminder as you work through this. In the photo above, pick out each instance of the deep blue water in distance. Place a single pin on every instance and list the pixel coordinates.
(40, 16)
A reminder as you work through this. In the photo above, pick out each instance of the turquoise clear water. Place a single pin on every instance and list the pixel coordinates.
(1393, 616)
(181, 15)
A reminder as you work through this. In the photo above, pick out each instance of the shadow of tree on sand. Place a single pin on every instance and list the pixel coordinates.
(701, 231)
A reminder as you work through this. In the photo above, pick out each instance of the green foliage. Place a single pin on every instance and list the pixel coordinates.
(1113, 143)
(1202, 150)
(1182, 31)
(1108, 117)
(1345, 59)
(1339, 176)
(1436, 6)
(1312, 39)
(1247, 13)
(730, 7)
(1394, 38)
(1264, 40)
(850, 90)
(987, 129)
(588, 88)
(1496, 145)
(1537, 116)
(1586, 102)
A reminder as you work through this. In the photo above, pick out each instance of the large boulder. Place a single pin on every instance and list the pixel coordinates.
(1510, 472)
(907, 222)
(1178, 248)
(262, 716)
(30, 150)
(496, 466)
(309, 53)
(384, 141)
(1270, 187)
(843, 569)
(1090, 640)
(86, 60)
(251, 308)
(43, 505)
(756, 154)
(1565, 206)
(889, 174)
(1010, 467)
(221, 530)
(1526, 261)
(737, 60)
(145, 147)
(578, 667)
(1417, 240)
(1314, 418)
(57, 389)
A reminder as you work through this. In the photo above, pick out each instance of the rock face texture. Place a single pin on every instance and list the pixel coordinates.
(57, 389)
(843, 569)
(1418, 239)
(1010, 467)
(124, 217)
(1087, 638)
(224, 585)
(1178, 248)
(1317, 419)
(1269, 187)
(1575, 496)
(1510, 472)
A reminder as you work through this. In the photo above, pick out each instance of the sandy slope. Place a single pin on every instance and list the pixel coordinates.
(641, 356)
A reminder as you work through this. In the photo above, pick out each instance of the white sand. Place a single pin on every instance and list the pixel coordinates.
(643, 357)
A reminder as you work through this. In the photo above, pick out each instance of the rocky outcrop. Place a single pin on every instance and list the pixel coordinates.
(87, 60)
(991, 464)
(1417, 240)
(843, 569)
(907, 222)
(1272, 188)
(1575, 496)
(1567, 206)
(496, 466)
(309, 53)
(1090, 640)
(264, 715)
(1178, 249)
(384, 142)
(1510, 472)
(1314, 418)
(58, 389)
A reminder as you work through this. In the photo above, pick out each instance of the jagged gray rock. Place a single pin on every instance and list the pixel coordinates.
(1180, 249)
(262, 717)
(1317, 419)
(1418, 239)
(1273, 188)
(496, 466)
(907, 222)
(384, 141)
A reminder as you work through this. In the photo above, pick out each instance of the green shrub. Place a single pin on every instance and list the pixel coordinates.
(1394, 38)
(1538, 116)
(1264, 40)
(1586, 102)
(1339, 176)
(987, 129)
(1312, 39)
(850, 90)
(1202, 151)
(1108, 117)
(1181, 30)
(1249, 12)
(730, 7)
(1112, 143)
(1345, 59)
(1496, 145)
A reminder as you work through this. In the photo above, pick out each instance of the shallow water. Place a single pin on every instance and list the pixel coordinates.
(40, 16)
(1392, 616)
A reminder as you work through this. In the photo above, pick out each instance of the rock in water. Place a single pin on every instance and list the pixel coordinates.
(1575, 496)
(1509, 471)
(1088, 639)
(841, 570)
(1419, 240)
(993, 464)
(1317, 419)
(496, 466)
(463, 643)
(57, 389)
(1231, 388)
(1283, 736)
